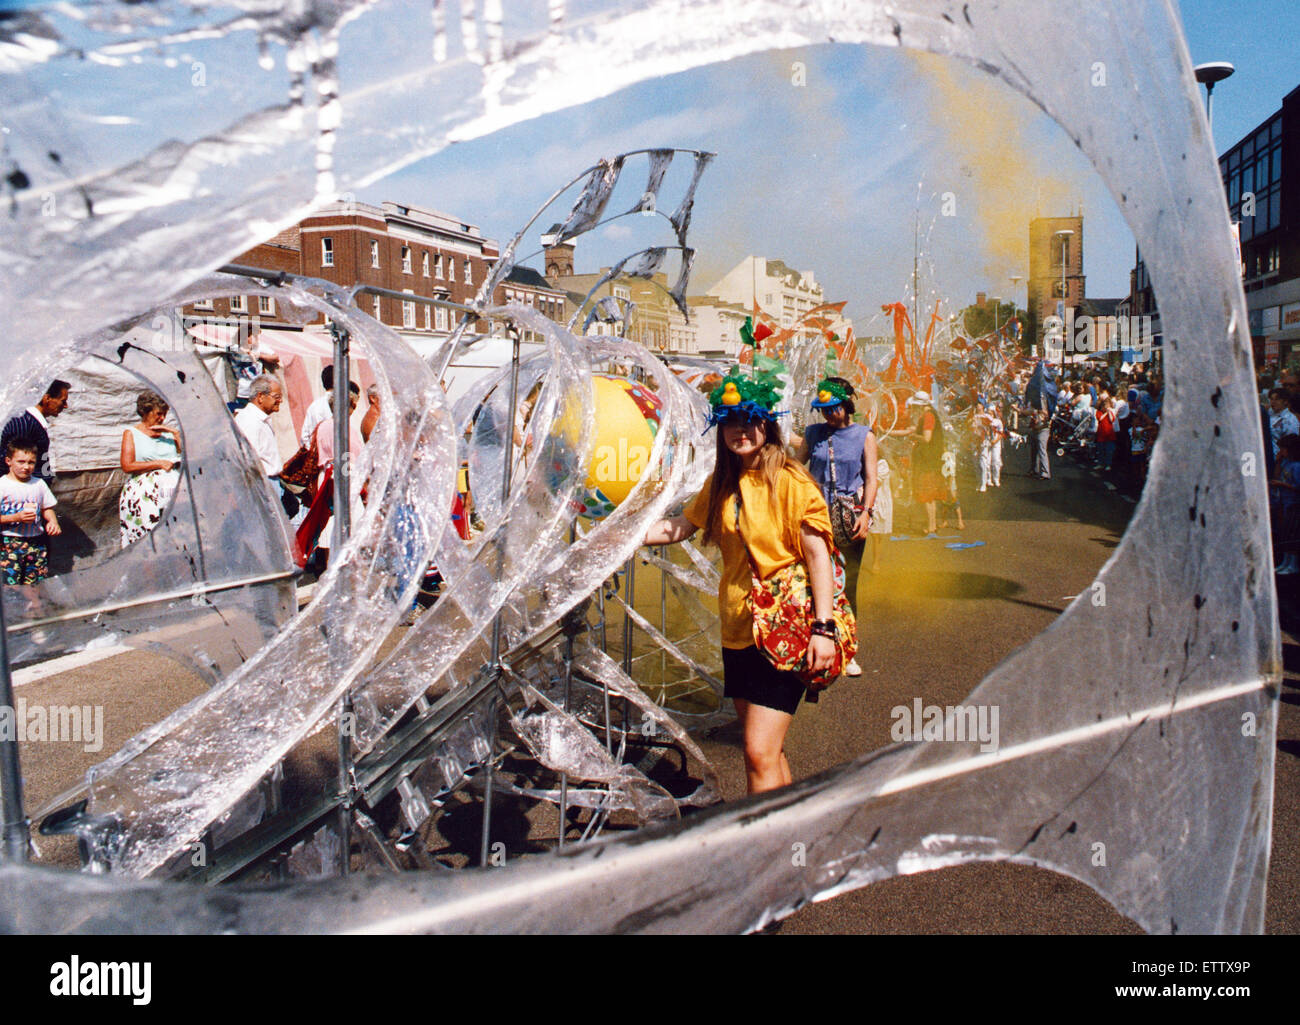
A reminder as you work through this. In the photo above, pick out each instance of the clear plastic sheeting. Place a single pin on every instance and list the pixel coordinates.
(681, 217)
(212, 581)
(317, 857)
(523, 574)
(591, 202)
(530, 527)
(646, 264)
(1156, 763)
(159, 793)
(563, 744)
(660, 161)
(588, 212)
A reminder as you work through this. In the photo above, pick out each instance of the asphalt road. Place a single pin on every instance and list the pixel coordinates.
(934, 621)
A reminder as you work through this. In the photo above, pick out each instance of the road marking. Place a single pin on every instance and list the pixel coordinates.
(90, 655)
(54, 666)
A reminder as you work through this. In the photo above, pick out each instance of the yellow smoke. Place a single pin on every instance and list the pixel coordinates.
(1000, 176)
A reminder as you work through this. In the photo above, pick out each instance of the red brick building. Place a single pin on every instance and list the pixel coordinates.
(396, 247)
(400, 248)
(280, 253)
(527, 286)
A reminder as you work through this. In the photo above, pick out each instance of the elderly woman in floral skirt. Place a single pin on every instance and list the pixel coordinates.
(150, 458)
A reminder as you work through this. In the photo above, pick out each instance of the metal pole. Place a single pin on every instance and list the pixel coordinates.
(663, 618)
(627, 632)
(916, 277)
(342, 435)
(627, 620)
(155, 599)
(509, 449)
(17, 832)
(1064, 257)
(342, 529)
(568, 685)
(604, 646)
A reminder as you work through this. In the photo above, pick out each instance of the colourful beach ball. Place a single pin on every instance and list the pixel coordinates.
(627, 420)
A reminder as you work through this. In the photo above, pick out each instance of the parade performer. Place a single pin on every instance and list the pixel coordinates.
(764, 511)
(928, 486)
(882, 517)
(1041, 396)
(989, 433)
(950, 506)
(841, 456)
(150, 458)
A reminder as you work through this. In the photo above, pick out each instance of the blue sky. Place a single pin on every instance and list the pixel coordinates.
(835, 175)
(828, 157)
(1259, 37)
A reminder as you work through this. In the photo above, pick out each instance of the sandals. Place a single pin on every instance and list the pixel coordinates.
(853, 669)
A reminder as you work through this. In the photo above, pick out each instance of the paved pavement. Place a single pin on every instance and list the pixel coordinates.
(935, 621)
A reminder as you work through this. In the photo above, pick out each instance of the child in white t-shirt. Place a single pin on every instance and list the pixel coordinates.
(25, 501)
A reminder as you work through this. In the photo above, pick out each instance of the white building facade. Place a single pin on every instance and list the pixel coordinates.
(785, 294)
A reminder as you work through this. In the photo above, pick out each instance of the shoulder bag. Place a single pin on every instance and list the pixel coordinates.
(782, 607)
(302, 469)
(844, 510)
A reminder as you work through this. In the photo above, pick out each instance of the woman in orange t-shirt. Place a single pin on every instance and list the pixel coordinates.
(928, 485)
(759, 504)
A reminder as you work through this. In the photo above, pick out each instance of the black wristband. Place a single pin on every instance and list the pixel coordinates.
(824, 628)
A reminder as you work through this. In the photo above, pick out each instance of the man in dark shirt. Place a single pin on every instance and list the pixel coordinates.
(33, 425)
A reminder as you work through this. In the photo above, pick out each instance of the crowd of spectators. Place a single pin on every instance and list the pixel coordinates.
(1111, 416)
(1279, 396)
(151, 459)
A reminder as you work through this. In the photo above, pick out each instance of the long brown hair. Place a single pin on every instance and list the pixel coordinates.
(727, 468)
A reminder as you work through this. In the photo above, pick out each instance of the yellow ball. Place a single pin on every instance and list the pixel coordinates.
(823, 396)
(623, 440)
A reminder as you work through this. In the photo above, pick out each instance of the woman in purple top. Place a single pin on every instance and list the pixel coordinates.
(852, 448)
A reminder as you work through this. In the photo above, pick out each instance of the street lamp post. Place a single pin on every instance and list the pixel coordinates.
(1210, 75)
(996, 302)
(1015, 288)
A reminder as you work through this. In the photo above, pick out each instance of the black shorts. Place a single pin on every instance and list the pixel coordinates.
(749, 676)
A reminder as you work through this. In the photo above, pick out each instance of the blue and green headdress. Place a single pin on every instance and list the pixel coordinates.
(829, 393)
(749, 395)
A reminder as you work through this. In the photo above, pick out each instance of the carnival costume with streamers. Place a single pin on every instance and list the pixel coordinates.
(765, 592)
(749, 396)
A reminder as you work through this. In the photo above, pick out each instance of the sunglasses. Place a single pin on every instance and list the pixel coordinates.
(740, 418)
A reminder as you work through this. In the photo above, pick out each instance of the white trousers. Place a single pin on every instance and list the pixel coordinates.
(990, 460)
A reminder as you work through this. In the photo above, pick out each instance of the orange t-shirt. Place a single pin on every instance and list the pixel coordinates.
(774, 541)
